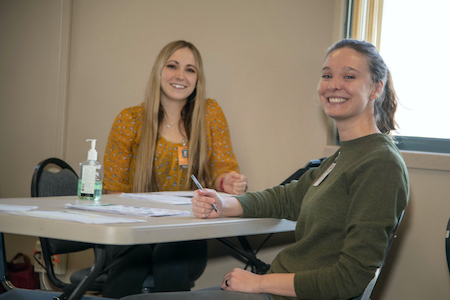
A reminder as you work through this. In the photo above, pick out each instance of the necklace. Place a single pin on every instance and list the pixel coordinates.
(167, 123)
(169, 126)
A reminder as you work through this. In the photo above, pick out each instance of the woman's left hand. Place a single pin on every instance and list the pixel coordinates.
(233, 183)
(240, 280)
(243, 281)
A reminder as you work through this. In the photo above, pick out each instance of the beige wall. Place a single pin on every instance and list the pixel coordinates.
(68, 67)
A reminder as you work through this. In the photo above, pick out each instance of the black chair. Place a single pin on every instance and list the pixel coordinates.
(61, 180)
(312, 164)
(369, 288)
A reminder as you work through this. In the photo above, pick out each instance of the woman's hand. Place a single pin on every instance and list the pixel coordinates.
(240, 280)
(203, 204)
(233, 183)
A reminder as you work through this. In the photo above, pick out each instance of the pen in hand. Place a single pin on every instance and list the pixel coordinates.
(201, 188)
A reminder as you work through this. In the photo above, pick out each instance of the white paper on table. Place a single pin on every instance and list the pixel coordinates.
(88, 218)
(175, 198)
(189, 194)
(128, 210)
(10, 207)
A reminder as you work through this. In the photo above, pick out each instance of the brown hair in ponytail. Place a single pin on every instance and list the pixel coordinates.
(386, 104)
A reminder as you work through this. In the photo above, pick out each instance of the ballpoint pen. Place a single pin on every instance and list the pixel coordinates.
(201, 188)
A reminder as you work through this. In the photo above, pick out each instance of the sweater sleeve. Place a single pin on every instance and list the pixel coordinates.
(222, 158)
(281, 202)
(118, 158)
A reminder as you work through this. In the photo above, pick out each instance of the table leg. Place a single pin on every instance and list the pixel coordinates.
(258, 266)
(79, 290)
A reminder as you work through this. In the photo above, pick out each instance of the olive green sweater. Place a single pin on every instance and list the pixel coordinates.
(343, 223)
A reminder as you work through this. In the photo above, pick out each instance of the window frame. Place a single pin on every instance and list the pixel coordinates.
(363, 22)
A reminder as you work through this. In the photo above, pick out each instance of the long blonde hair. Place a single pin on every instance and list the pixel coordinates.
(192, 115)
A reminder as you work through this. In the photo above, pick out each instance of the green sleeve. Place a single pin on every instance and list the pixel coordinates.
(281, 202)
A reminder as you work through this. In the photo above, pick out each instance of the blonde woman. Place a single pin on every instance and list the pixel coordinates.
(157, 145)
(145, 142)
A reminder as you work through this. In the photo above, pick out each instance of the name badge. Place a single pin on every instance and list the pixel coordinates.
(183, 156)
(327, 171)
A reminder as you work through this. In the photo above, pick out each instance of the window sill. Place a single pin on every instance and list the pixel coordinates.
(414, 159)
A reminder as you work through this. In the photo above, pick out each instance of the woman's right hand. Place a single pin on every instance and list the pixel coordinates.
(203, 201)
(202, 205)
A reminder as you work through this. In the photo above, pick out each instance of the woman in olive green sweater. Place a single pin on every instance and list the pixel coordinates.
(343, 223)
(345, 209)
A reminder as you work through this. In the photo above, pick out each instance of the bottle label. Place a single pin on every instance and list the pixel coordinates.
(88, 179)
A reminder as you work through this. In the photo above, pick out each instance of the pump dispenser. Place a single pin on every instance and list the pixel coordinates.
(91, 176)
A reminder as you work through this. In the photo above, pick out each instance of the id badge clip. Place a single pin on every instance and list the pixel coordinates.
(183, 154)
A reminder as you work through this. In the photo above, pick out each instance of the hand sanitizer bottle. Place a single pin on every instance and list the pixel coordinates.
(91, 176)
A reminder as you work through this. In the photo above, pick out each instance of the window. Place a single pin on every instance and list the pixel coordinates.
(411, 37)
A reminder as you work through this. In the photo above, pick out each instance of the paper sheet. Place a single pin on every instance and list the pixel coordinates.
(128, 210)
(10, 207)
(88, 218)
(175, 198)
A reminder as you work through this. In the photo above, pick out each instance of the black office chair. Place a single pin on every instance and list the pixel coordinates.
(63, 182)
(369, 288)
(312, 164)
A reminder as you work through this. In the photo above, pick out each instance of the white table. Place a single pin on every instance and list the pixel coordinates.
(153, 230)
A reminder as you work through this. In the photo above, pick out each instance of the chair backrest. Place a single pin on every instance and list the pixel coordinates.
(46, 183)
(312, 164)
(369, 288)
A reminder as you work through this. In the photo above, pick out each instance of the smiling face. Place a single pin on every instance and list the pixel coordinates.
(178, 76)
(346, 90)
